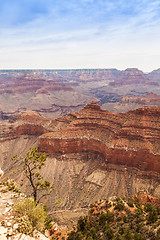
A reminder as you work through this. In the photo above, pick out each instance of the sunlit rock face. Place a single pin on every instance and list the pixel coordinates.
(131, 139)
(147, 99)
(91, 154)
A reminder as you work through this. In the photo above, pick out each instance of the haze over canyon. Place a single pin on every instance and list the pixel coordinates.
(55, 93)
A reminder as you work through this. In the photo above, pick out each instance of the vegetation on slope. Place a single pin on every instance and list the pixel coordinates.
(27, 214)
(119, 219)
(31, 166)
(30, 216)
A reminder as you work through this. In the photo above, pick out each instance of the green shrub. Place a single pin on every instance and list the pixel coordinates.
(148, 207)
(128, 235)
(158, 233)
(158, 210)
(35, 216)
(137, 202)
(124, 219)
(130, 202)
(112, 224)
(152, 217)
(24, 225)
(89, 238)
(137, 236)
(11, 185)
(102, 218)
(108, 233)
(118, 237)
(119, 205)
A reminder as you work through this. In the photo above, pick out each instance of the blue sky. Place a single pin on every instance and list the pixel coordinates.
(80, 34)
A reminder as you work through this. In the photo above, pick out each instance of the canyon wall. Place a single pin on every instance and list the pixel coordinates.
(91, 154)
(131, 139)
(55, 93)
(147, 99)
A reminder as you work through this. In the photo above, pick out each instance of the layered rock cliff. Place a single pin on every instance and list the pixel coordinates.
(55, 93)
(147, 99)
(91, 154)
(131, 139)
(133, 76)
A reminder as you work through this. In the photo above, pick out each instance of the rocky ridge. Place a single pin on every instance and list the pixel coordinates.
(134, 76)
(147, 99)
(44, 91)
(93, 153)
(131, 139)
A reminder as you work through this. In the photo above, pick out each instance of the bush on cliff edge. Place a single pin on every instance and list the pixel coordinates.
(31, 217)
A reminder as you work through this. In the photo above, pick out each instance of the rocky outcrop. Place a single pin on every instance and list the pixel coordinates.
(26, 123)
(146, 198)
(148, 99)
(8, 223)
(55, 93)
(131, 139)
(155, 76)
(31, 84)
(29, 129)
(131, 76)
(28, 91)
(91, 154)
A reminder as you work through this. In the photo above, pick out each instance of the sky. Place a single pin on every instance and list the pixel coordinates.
(61, 34)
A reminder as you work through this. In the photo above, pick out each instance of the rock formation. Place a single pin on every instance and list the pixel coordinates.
(155, 76)
(147, 99)
(132, 76)
(55, 93)
(131, 139)
(145, 198)
(91, 154)
(26, 123)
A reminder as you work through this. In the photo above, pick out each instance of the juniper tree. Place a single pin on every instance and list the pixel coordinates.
(31, 166)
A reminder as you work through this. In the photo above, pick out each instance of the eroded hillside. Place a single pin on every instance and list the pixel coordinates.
(91, 154)
(55, 93)
(131, 139)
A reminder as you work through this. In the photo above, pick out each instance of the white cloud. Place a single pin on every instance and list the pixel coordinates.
(85, 33)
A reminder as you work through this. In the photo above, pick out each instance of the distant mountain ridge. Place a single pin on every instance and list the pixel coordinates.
(55, 93)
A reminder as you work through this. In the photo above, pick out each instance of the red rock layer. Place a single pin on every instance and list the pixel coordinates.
(33, 85)
(27, 123)
(149, 98)
(29, 129)
(131, 139)
(132, 76)
(145, 198)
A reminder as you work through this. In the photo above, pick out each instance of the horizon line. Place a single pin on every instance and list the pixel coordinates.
(64, 69)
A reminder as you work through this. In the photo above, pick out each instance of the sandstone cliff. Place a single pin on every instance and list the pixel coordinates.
(92, 154)
(55, 93)
(133, 76)
(131, 139)
(147, 99)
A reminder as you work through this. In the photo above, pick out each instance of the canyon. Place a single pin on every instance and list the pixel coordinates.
(100, 129)
(130, 139)
(55, 93)
(91, 154)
